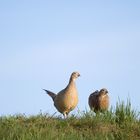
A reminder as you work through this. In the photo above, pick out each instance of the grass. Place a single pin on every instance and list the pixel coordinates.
(121, 123)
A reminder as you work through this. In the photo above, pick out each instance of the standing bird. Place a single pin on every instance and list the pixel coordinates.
(99, 100)
(67, 99)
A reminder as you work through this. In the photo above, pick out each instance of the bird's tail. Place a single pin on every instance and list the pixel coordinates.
(51, 94)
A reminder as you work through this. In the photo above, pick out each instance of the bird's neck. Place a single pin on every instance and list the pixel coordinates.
(71, 87)
(72, 82)
(103, 96)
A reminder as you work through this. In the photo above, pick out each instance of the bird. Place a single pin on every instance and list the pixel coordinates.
(99, 100)
(67, 99)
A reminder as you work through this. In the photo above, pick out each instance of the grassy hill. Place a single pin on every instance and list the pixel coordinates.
(121, 123)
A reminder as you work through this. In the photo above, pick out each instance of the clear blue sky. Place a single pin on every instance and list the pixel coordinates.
(43, 42)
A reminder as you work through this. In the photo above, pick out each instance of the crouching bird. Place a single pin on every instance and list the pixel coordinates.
(67, 99)
(99, 100)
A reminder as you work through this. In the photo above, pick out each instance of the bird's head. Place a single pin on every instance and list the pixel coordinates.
(103, 92)
(75, 75)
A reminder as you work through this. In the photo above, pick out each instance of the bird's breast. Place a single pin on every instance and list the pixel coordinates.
(66, 101)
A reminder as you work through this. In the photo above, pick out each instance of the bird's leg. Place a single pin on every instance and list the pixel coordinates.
(65, 115)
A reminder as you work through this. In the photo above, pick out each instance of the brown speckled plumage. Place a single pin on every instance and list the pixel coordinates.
(99, 100)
